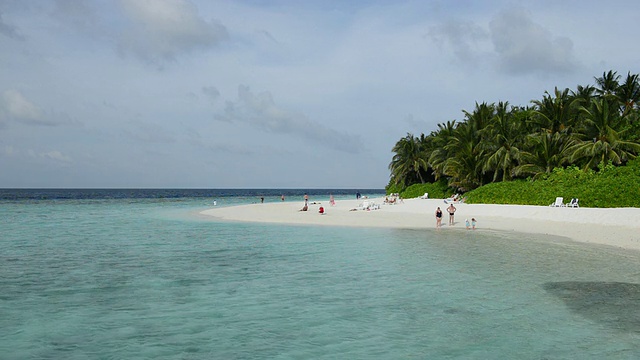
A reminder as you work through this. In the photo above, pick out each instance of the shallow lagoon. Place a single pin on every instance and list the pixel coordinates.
(148, 278)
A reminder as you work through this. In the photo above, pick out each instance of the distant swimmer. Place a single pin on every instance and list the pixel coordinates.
(215, 203)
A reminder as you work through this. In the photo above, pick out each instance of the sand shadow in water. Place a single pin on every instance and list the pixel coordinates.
(613, 304)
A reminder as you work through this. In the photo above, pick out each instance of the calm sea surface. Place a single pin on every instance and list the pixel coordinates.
(137, 274)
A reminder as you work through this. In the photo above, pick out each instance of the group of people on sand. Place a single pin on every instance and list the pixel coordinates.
(393, 199)
(454, 199)
(452, 210)
(321, 210)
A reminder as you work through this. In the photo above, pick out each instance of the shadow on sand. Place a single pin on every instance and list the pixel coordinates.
(614, 304)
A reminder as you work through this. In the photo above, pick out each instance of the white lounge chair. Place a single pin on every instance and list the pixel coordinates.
(425, 196)
(368, 205)
(558, 202)
(573, 203)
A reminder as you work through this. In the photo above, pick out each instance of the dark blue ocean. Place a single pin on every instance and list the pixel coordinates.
(139, 274)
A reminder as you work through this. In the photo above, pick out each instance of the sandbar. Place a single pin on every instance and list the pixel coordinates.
(619, 227)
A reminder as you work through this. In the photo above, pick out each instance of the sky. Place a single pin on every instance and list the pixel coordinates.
(273, 94)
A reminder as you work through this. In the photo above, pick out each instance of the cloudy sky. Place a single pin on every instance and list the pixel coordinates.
(273, 94)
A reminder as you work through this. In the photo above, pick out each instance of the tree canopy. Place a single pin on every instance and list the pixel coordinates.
(584, 128)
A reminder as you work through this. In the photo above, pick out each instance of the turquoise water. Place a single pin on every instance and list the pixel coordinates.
(149, 279)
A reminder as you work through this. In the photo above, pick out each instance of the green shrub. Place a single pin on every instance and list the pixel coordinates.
(393, 189)
(437, 190)
(611, 186)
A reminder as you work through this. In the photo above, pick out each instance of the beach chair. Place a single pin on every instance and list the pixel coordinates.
(558, 202)
(573, 203)
(425, 196)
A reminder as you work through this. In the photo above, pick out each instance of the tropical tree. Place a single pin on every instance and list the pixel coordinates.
(465, 159)
(583, 95)
(584, 127)
(502, 139)
(554, 113)
(464, 165)
(437, 153)
(479, 117)
(607, 85)
(543, 152)
(628, 93)
(408, 162)
(603, 140)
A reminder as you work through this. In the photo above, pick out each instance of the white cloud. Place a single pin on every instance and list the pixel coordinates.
(462, 37)
(16, 106)
(55, 155)
(341, 76)
(260, 111)
(163, 29)
(526, 47)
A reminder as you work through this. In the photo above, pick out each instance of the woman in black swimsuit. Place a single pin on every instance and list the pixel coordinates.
(438, 217)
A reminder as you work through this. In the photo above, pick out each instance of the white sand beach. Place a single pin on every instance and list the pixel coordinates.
(619, 227)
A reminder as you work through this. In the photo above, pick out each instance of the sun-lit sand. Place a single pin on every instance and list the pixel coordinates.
(616, 227)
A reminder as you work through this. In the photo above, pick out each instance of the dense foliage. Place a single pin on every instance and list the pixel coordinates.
(580, 129)
(436, 190)
(610, 186)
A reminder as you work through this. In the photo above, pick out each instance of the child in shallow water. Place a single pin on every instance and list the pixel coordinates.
(473, 223)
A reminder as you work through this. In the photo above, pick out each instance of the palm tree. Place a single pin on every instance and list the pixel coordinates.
(437, 154)
(408, 162)
(554, 114)
(607, 84)
(628, 93)
(544, 152)
(427, 146)
(480, 116)
(464, 165)
(583, 95)
(590, 125)
(503, 137)
(603, 138)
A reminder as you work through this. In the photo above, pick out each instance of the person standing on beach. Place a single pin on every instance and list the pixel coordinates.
(451, 210)
(438, 217)
(306, 199)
